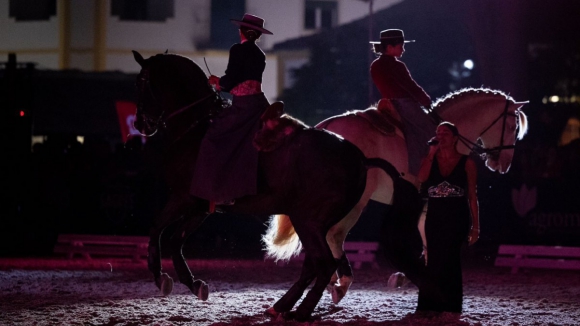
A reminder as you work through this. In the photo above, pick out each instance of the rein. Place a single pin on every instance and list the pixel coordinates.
(161, 121)
(475, 147)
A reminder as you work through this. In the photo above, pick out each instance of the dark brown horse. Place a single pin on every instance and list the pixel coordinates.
(315, 178)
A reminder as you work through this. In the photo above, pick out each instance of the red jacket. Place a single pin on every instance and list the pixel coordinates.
(394, 80)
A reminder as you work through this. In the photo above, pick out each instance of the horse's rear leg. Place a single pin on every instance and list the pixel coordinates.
(319, 264)
(180, 235)
(324, 265)
(289, 299)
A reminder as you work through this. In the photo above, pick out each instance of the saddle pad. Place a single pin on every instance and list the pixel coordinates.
(383, 122)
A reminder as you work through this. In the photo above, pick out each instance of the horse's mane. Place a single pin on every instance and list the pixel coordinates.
(463, 96)
(183, 71)
(181, 65)
(354, 112)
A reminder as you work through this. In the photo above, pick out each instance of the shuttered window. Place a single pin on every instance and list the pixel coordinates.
(32, 10)
(143, 10)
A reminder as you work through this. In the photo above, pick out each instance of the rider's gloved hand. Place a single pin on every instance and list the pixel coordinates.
(214, 81)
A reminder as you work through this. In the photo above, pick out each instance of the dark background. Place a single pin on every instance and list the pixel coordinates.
(529, 49)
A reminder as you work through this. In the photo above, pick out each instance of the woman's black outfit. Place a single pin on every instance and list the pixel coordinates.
(446, 228)
(227, 165)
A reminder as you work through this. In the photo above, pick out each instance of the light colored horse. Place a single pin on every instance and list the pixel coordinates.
(489, 123)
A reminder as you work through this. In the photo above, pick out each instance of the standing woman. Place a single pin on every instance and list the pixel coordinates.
(398, 88)
(449, 180)
(227, 165)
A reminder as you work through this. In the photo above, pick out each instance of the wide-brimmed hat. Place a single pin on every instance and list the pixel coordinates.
(393, 36)
(252, 22)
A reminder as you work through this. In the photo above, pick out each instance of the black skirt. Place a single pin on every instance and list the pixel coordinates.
(227, 165)
(446, 229)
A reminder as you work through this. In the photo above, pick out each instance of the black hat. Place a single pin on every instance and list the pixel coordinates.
(392, 36)
(252, 22)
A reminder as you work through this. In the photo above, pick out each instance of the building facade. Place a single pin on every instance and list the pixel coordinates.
(98, 35)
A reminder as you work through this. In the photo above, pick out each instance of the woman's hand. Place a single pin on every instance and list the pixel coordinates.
(214, 81)
(473, 236)
(433, 147)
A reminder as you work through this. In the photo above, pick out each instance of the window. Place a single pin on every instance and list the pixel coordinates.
(223, 32)
(31, 10)
(143, 10)
(320, 14)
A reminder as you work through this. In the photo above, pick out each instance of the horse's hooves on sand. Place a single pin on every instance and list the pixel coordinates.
(295, 316)
(166, 284)
(397, 280)
(331, 286)
(272, 313)
(202, 290)
(337, 293)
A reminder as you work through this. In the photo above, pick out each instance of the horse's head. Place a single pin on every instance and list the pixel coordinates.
(167, 85)
(500, 139)
(489, 122)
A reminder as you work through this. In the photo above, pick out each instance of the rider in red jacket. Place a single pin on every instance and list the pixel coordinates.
(396, 85)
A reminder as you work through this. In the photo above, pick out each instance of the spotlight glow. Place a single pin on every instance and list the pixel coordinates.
(468, 64)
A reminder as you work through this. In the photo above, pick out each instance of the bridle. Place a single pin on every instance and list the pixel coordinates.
(483, 152)
(161, 121)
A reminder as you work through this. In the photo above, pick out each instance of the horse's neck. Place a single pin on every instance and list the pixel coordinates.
(472, 117)
(189, 115)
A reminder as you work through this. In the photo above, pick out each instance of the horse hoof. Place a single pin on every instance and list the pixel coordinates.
(289, 315)
(337, 293)
(397, 280)
(271, 312)
(332, 285)
(202, 291)
(345, 282)
(299, 317)
(166, 285)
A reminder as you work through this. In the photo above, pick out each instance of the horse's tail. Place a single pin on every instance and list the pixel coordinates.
(281, 241)
(406, 198)
(385, 166)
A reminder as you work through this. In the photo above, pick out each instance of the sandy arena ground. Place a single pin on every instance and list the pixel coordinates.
(121, 292)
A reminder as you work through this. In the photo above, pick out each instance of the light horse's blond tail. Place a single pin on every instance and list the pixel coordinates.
(281, 241)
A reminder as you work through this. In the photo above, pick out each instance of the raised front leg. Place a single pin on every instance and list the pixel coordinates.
(344, 278)
(336, 236)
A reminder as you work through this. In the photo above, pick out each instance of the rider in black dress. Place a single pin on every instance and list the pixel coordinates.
(448, 179)
(227, 167)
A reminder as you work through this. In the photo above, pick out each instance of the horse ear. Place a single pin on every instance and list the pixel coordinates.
(139, 58)
(520, 104)
(166, 50)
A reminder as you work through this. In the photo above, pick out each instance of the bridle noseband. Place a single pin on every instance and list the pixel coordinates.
(483, 152)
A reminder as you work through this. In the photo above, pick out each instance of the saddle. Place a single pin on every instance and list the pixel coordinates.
(384, 118)
(277, 128)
